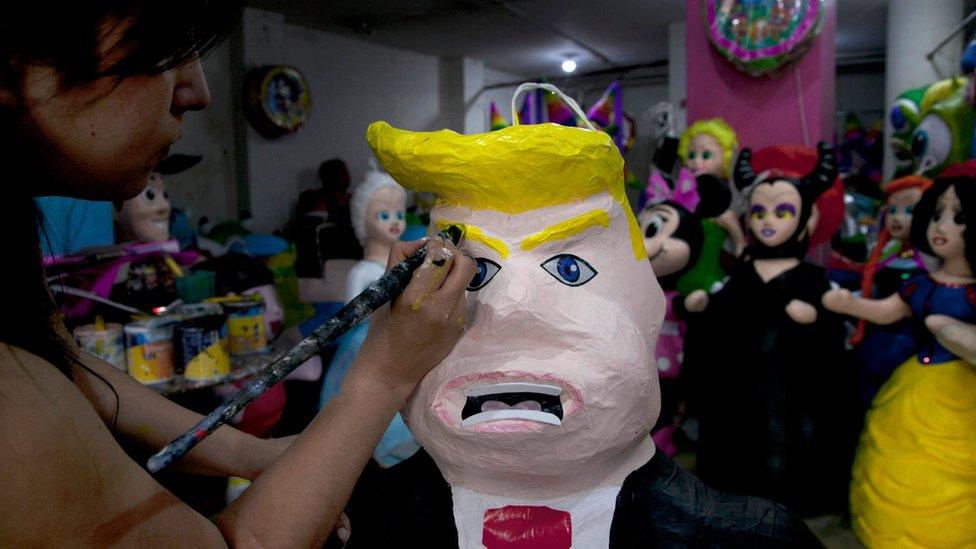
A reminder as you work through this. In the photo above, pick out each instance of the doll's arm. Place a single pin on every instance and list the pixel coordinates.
(876, 311)
(955, 335)
(801, 312)
(696, 302)
(730, 222)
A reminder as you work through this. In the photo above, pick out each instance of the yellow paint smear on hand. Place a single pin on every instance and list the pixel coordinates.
(476, 234)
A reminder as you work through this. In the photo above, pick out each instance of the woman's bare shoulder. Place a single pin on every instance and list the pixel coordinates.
(63, 475)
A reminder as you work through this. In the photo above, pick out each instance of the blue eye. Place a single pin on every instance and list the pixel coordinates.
(909, 210)
(487, 269)
(569, 269)
(893, 210)
(384, 215)
(399, 216)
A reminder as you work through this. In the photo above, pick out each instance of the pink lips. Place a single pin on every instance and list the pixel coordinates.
(939, 241)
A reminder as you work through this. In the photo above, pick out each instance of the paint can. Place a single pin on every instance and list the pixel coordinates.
(201, 347)
(104, 341)
(149, 350)
(246, 331)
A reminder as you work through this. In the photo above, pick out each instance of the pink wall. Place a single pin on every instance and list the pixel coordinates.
(764, 111)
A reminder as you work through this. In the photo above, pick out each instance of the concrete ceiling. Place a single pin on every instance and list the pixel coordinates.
(531, 37)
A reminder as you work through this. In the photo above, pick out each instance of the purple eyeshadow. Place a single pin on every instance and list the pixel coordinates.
(758, 208)
(786, 207)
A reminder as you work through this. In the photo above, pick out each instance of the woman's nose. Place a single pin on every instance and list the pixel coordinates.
(190, 92)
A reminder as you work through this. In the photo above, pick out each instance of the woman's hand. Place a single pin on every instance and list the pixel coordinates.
(697, 301)
(412, 335)
(801, 312)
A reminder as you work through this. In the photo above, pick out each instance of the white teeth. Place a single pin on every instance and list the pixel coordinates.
(495, 415)
(515, 387)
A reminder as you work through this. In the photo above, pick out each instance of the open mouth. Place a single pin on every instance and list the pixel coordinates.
(517, 400)
(768, 232)
(939, 241)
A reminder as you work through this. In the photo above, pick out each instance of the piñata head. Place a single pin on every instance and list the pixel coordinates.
(552, 389)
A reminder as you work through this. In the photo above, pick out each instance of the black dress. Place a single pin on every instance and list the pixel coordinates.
(774, 398)
(659, 505)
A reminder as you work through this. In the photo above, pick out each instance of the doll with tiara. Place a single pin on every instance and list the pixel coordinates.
(914, 477)
(378, 208)
(770, 395)
(894, 260)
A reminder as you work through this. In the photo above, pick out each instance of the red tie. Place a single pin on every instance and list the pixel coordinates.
(527, 527)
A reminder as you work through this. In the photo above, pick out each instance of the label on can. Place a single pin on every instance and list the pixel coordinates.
(149, 350)
(106, 344)
(201, 348)
(245, 327)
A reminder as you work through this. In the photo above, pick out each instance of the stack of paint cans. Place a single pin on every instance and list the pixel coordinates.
(149, 350)
(104, 341)
(247, 333)
(201, 342)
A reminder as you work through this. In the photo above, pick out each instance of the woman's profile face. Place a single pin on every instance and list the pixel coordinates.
(101, 139)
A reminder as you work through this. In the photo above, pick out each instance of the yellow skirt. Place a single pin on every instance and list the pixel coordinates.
(914, 478)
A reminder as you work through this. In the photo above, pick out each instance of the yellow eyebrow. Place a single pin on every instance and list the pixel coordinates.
(567, 228)
(476, 234)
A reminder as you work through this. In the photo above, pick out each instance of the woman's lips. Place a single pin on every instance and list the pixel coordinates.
(767, 232)
(939, 241)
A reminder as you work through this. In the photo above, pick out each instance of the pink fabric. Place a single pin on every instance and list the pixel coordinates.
(664, 440)
(100, 279)
(685, 191)
(670, 343)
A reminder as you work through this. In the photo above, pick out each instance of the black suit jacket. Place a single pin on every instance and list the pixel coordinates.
(659, 505)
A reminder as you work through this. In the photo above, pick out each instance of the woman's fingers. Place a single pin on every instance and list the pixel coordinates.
(403, 250)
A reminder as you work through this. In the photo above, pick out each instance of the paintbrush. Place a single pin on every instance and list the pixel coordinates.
(384, 290)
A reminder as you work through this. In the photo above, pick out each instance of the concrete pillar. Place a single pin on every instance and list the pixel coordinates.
(914, 28)
(791, 106)
(677, 75)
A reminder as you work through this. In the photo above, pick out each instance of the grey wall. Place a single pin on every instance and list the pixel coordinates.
(353, 83)
(209, 188)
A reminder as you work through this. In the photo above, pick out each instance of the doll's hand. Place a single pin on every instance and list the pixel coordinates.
(696, 301)
(413, 334)
(837, 300)
(801, 312)
(955, 335)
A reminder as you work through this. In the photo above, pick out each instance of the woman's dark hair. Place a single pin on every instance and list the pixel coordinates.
(965, 186)
(156, 36)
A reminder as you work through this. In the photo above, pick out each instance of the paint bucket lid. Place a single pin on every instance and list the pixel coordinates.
(90, 330)
(151, 324)
(194, 310)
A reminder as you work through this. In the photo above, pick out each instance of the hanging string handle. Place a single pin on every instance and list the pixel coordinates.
(553, 89)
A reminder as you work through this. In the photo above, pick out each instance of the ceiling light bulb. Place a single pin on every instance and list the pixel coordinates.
(569, 65)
